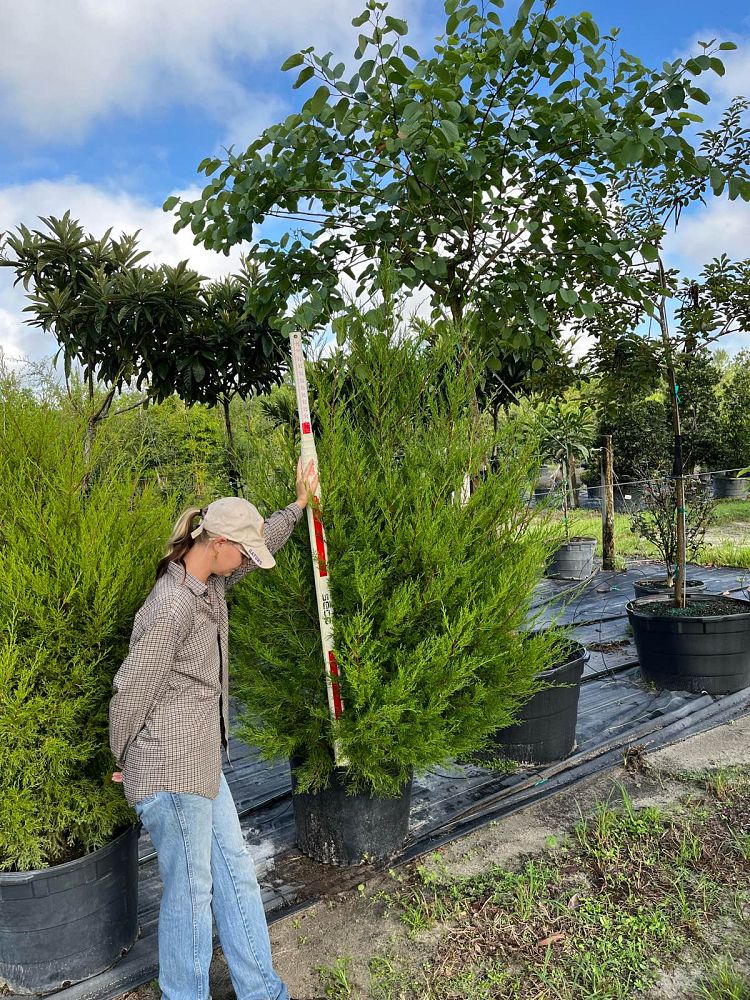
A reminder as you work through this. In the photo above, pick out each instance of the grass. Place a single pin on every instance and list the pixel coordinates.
(724, 981)
(335, 979)
(597, 917)
(728, 552)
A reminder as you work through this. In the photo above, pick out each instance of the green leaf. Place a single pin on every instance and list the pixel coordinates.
(717, 66)
(304, 76)
(170, 203)
(361, 19)
(589, 31)
(410, 52)
(397, 25)
(674, 96)
(537, 364)
(717, 180)
(296, 60)
(569, 295)
(649, 252)
(632, 151)
(449, 130)
(318, 100)
(727, 46)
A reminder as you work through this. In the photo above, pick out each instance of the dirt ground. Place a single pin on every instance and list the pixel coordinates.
(355, 926)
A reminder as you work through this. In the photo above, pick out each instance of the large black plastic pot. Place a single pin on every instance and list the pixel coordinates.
(574, 560)
(659, 585)
(729, 488)
(341, 829)
(546, 727)
(64, 924)
(708, 653)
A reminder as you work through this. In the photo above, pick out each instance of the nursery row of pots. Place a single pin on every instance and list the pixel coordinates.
(83, 915)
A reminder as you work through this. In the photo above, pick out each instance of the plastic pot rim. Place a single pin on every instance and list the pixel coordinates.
(633, 608)
(100, 852)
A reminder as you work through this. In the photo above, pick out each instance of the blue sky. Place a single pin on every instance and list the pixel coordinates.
(107, 107)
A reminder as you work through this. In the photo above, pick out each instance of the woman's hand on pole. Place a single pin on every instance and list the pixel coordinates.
(307, 482)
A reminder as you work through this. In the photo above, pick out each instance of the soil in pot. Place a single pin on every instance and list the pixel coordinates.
(63, 924)
(574, 560)
(704, 647)
(659, 585)
(546, 729)
(341, 829)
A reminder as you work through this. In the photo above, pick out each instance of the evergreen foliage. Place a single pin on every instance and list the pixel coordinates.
(431, 599)
(734, 408)
(75, 564)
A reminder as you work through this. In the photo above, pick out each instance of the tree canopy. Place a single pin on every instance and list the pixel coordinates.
(486, 169)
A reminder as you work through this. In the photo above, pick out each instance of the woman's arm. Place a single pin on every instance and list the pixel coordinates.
(142, 679)
(277, 530)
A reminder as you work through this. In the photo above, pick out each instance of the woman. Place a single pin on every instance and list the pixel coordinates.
(168, 721)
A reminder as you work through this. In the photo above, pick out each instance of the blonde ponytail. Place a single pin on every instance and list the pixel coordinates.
(180, 541)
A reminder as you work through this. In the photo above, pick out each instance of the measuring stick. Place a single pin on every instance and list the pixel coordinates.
(317, 542)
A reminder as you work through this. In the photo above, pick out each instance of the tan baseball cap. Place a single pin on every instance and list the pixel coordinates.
(236, 519)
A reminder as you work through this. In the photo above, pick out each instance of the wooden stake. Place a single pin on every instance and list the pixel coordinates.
(608, 504)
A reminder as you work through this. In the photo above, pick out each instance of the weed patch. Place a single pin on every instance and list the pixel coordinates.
(597, 917)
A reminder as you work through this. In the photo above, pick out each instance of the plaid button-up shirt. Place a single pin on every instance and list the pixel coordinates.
(169, 716)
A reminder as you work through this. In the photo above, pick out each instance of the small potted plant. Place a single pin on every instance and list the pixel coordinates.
(430, 590)
(657, 524)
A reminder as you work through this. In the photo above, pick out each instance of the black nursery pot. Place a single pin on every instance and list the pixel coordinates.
(659, 585)
(341, 829)
(64, 924)
(574, 560)
(546, 729)
(708, 653)
(730, 488)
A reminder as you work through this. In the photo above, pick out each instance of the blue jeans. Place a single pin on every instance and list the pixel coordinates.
(202, 856)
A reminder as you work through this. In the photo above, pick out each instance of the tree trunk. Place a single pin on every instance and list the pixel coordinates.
(608, 505)
(232, 473)
(677, 470)
(571, 484)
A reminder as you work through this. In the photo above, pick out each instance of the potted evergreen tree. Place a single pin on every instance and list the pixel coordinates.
(657, 523)
(431, 591)
(76, 563)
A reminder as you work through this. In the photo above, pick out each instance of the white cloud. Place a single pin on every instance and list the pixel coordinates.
(64, 66)
(721, 89)
(721, 226)
(97, 210)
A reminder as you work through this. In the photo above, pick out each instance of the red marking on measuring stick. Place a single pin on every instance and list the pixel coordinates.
(334, 671)
(320, 543)
(317, 543)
